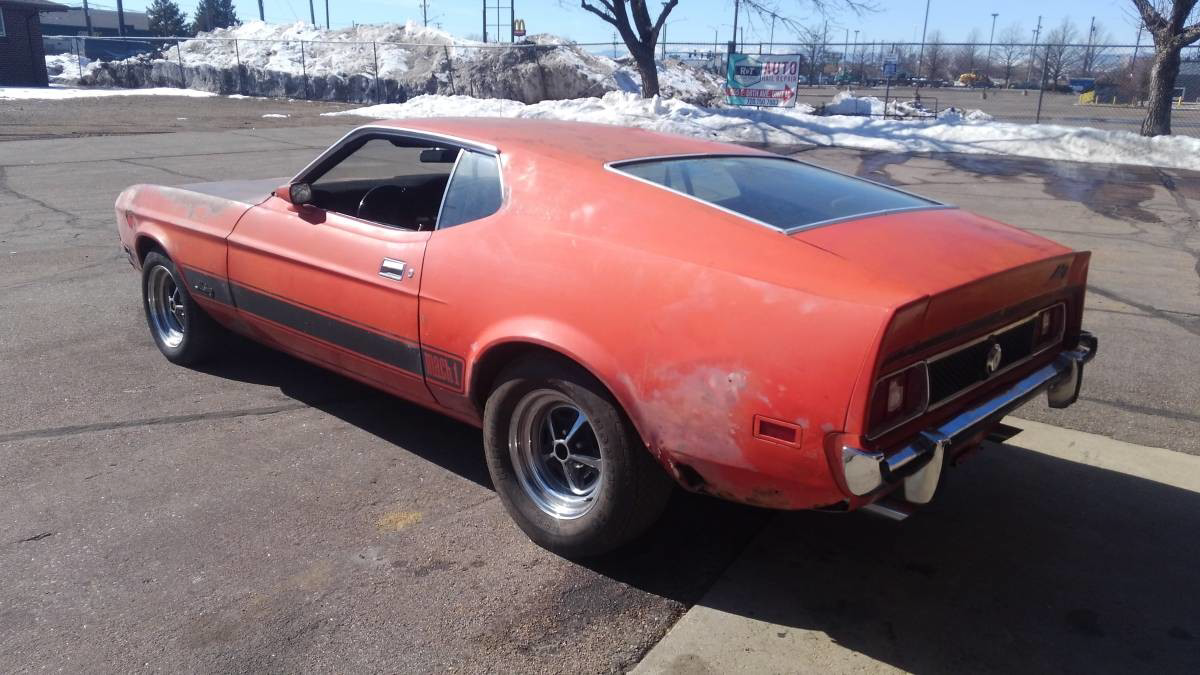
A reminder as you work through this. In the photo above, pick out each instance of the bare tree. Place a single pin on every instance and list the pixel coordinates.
(1167, 22)
(1059, 53)
(812, 39)
(1010, 50)
(632, 19)
(638, 31)
(935, 56)
(968, 56)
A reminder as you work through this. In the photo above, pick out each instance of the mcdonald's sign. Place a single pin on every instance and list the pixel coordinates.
(518, 28)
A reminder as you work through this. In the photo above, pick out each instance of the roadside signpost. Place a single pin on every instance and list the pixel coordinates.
(889, 71)
(764, 80)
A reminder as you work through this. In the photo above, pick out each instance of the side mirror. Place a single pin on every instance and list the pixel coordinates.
(300, 194)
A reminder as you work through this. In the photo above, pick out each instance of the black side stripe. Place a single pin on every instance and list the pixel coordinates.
(399, 354)
(207, 285)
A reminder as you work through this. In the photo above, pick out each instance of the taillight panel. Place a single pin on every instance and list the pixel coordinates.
(898, 398)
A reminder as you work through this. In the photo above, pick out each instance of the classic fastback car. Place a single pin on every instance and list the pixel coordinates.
(622, 311)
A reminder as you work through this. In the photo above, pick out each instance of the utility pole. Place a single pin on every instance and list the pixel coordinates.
(991, 40)
(773, 16)
(312, 13)
(485, 21)
(87, 18)
(326, 12)
(737, 5)
(1033, 51)
(1136, 45)
(921, 54)
(120, 18)
(261, 16)
(1087, 58)
(425, 13)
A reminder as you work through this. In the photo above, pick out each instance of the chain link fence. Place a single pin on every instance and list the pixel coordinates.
(1093, 85)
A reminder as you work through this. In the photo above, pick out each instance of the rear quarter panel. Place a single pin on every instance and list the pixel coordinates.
(619, 277)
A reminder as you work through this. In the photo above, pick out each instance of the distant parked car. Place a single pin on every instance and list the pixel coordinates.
(622, 311)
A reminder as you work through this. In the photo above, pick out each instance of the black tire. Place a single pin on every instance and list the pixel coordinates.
(630, 493)
(186, 337)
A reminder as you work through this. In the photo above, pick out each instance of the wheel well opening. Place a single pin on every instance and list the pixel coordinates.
(144, 245)
(485, 372)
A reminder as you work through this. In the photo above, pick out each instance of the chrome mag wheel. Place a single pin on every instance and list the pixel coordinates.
(555, 454)
(167, 312)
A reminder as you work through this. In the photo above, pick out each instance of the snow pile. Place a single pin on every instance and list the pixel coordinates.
(65, 68)
(846, 103)
(300, 60)
(60, 92)
(952, 133)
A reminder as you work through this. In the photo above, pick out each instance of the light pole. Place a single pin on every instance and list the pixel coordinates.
(1033, 52)
(991, 38)
(854, 55)
(773, 32)
(664, 35)
(1087, 57)
(921, 53)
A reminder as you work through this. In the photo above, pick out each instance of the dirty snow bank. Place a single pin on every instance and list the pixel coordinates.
(846, 103)
(951, 133)
(300, 60)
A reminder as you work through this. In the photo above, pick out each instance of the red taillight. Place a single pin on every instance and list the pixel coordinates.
(1048, 325)
(898, 398)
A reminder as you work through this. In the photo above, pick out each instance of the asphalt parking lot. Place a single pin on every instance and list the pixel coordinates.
(262, 515)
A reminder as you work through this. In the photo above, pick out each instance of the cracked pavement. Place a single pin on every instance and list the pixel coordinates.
(262, 515)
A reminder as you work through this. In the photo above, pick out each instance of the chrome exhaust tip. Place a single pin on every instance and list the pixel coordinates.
(891, 509)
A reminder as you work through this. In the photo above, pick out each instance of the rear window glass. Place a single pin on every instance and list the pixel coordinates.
(779, 192)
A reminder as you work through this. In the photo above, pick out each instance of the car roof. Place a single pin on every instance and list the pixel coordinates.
(578, 141)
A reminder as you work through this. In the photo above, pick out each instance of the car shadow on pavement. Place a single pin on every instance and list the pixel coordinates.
(1023, 563)
(679, 558)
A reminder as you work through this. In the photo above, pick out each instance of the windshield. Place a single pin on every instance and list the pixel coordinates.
(784, 194)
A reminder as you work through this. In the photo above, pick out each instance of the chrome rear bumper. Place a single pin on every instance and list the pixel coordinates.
(919, 463)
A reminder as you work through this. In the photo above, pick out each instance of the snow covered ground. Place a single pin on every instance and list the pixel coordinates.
(951, 132)
(61, 92)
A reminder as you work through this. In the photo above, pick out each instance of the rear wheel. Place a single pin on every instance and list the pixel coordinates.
(183, 332)
(566, 462)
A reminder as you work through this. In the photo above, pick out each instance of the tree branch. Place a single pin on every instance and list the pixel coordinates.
(609, 18)
(1150, 16)
(662, 18)
(1190, 34)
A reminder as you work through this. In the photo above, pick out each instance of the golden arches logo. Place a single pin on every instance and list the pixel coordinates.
(518, 28)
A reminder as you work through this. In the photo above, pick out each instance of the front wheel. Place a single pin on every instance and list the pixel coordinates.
(181, 330)
(566, 462)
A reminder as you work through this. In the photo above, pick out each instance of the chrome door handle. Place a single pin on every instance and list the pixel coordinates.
(393, 269)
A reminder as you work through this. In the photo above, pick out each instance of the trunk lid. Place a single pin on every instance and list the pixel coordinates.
(972, 269)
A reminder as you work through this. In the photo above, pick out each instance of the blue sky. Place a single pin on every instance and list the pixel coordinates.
(897, 20)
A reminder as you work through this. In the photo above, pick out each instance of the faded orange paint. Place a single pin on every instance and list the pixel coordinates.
(695, 319)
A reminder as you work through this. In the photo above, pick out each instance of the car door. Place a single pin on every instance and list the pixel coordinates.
(334, 288)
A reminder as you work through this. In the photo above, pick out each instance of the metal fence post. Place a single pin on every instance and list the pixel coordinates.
(1042, 89)
(237, 55)
(182, 73)
(304, 70)
(375, 54)
(79, 55)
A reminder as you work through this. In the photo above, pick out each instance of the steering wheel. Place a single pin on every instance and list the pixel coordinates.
(382, 204)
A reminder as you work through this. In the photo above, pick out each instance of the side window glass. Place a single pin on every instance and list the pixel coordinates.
(394, 182)
(474, 190)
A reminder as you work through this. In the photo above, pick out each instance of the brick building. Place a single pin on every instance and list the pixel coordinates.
(22, 58)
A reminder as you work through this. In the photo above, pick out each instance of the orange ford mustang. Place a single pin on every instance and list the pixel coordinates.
(622, 311)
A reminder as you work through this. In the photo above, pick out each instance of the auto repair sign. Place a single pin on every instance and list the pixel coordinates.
(762, 80)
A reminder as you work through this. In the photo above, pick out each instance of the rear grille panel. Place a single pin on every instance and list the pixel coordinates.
(956, 372)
